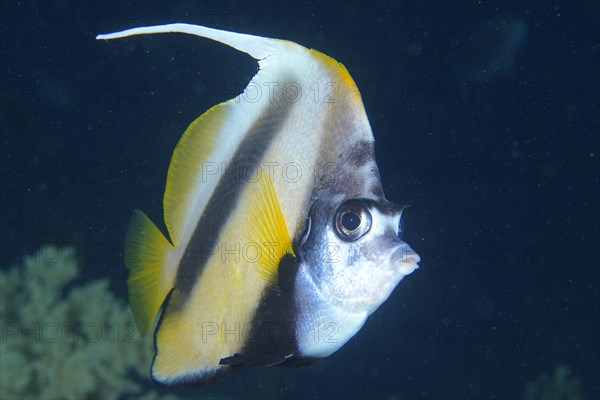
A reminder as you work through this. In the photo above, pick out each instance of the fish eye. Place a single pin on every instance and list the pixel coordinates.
(352, 220)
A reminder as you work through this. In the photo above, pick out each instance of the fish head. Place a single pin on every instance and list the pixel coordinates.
(353, 251)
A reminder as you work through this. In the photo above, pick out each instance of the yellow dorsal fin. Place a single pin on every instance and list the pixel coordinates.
(150, 275)
(266, 228)
(186, 169)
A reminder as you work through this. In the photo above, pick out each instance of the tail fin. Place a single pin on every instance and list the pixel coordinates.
(150, 275)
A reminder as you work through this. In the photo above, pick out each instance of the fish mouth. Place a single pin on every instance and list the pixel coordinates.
(401, 262)
(406, 258)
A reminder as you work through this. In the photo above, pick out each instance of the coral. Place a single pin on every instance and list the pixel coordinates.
(62, 340)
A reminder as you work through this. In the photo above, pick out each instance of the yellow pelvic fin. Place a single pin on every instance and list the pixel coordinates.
(265, 227)
(150, 276)
(186, 168)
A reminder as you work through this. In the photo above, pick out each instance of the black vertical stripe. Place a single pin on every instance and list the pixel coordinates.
(272, 338)
(224, 199)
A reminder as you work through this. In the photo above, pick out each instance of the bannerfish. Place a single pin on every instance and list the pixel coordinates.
(280, 240)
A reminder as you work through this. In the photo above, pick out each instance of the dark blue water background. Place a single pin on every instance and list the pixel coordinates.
(486, 121)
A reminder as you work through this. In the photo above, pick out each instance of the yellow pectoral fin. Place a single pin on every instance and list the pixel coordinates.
(150, 276)
(265, 227)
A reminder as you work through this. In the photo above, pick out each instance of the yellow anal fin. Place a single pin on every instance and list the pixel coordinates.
(188, 345)
(150, 276)
(265, 227)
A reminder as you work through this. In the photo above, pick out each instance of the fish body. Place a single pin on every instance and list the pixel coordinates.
(280, 240)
